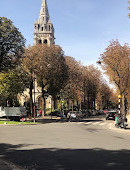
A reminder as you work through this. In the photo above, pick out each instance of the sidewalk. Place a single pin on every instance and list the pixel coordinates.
(127, 130)
(128, 117)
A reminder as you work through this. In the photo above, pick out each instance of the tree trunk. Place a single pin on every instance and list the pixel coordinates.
(88, 102)
(80, 105)
(123, 105)
(68, 104)
(72, 106)
(31, 98)
(91, 103)
(55, 102)
(94, 105)
(44, 108)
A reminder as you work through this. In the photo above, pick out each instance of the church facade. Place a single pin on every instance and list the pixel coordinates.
(43, 34)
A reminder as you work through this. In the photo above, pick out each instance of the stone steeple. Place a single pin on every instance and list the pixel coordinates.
(44, 30)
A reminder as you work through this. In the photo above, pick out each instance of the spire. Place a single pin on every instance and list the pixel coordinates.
(36, 22)
(44, 14)
(43, 28)
(49, 22)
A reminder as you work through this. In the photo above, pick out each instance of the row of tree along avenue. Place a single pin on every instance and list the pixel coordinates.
(116, 62)
(70, 83)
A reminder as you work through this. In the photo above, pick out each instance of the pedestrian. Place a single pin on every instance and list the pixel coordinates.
(68, 116)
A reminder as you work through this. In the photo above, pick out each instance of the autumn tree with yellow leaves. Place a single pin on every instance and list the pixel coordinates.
(48, 65)
(116, 63)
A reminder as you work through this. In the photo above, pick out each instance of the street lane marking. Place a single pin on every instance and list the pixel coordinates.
(110, 124)
(87, 123)
(102, 124)
(95, 123)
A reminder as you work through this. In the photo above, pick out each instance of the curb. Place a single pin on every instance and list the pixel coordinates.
(127, 130)
(128, 117)
(112, 127)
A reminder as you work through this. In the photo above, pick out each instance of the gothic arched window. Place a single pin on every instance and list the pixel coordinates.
(45, 41)
(39, 41)
(49, 27)
(42, 28)
(38, 26)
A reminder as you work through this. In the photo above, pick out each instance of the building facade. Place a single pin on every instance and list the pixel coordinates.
(43, 34)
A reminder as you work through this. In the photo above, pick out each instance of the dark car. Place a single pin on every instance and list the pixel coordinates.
(110, 114)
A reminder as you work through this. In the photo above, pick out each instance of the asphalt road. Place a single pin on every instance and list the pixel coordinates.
(91, 144)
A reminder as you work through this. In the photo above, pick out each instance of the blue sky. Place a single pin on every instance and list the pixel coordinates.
(82, 28)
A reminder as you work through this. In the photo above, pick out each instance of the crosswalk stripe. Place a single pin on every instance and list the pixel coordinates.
(95, 123)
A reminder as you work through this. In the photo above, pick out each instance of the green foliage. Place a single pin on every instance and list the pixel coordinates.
(16, 123)
(12, 83)
(11, 44)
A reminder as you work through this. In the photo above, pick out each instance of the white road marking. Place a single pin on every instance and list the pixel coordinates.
(95, 123)
(102, 124)
(87, 123)
(110, 124)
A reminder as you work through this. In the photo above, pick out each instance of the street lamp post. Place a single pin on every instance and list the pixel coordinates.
(34, 100)
(119, 105)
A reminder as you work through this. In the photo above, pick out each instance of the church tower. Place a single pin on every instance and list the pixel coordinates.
(43, 28)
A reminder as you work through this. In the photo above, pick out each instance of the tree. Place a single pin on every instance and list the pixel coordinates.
(106, 98)
(28, 64)
(82, 86)
(11, 44)
(116, 63)
(48, 64)
(12, 83)
(92, 79)
(73, 90)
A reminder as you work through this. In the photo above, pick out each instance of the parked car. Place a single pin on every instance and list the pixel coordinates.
(72, 116)
(110, 114)
(86, 113)
(55, 113)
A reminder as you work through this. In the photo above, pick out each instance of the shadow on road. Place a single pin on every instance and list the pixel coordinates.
(65, 159)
